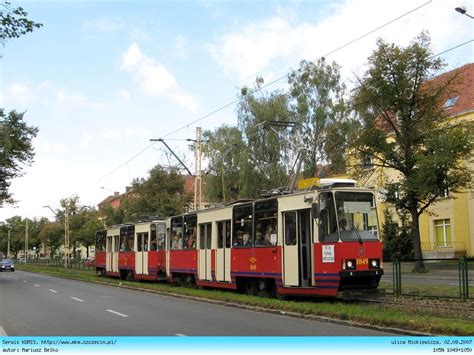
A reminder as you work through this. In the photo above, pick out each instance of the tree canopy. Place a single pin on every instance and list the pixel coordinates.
(14, 22)
(404, 127)
(16, 150)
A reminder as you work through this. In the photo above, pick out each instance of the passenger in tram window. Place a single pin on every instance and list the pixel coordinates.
(239, 241)
(247, 239)
(259, 240)
(175, 244)
(145, 247)
(268, 235)
(191, 243)
(180, 241)
(186, 241)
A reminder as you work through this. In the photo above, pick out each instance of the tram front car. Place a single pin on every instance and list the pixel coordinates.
(349, 241)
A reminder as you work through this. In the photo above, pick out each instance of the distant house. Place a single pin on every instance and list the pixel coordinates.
(115, 200)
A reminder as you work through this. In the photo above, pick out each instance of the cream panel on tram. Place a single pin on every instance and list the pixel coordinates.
(290, 208)
(112, 247)
(216, 218)
(141, 243)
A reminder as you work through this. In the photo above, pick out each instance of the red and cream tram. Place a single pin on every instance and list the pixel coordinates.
(321, 242)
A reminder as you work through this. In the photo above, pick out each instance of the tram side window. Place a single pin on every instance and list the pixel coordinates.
(142, 241)
(116, 243)
(205, 235)
(223, 234)
(177, 233)
(100, 241)
(109, 244)
(266, 223)
(220, 235)
(190, 223)
(153, 241)
(160, 236)
(290, 228)
(242, 230)
(327, 219)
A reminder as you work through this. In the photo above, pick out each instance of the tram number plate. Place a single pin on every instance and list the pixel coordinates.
(364, 261)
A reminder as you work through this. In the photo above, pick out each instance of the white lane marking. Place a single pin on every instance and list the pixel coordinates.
(3, 333)
(36, 285)
(16, 278)
(77, 299)
(26, 281)
(180, 335)
(53, 291)
(117, 313)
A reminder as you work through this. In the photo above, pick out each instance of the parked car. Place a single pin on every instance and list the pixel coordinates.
(7, 265)
(89, 262)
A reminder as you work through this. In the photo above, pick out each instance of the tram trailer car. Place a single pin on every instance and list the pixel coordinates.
(316, 243)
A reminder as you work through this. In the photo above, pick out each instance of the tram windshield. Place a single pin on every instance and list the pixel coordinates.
(350, 217)
(357, 216)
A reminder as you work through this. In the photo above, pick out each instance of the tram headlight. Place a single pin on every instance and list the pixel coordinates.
(374, 264)
(349, 264)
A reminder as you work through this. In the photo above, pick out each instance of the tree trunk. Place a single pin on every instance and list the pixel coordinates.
(415, 232)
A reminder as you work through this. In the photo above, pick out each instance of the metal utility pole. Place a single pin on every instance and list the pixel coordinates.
(26, 242)
(66, 236)
(8, 243)
(197, 176)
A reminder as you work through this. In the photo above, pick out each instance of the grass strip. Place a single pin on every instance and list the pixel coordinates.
(382, 315)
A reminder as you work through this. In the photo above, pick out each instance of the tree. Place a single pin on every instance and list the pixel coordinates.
(263, 118)
(405, 128)
(52, 235)
(317, 94)
(16, 150)
(231, 175)
(161, 194)
(397, 244)
(14, 22)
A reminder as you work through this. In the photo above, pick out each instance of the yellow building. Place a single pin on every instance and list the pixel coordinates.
(447, 228)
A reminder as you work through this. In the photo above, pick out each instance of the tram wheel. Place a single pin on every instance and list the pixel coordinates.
(251, 288)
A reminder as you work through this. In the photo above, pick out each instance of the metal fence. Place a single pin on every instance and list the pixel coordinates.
(441, 278)
(76, 264)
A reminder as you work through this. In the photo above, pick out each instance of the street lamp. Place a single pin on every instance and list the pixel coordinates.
(462, 10)
(66, 232)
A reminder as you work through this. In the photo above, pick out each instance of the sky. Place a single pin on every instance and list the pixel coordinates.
(102, 78)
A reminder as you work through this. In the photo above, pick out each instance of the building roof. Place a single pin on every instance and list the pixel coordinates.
(461, 100)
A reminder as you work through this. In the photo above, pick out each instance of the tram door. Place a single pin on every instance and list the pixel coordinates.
(108, 254)
(205, 252)
(113, 247)
(297, 248)
(223, 251)
(141, 249)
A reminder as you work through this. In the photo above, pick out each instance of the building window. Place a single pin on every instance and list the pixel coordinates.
(450, 102)
(443, 232)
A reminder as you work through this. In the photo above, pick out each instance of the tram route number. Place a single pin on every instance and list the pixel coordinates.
(363, 261)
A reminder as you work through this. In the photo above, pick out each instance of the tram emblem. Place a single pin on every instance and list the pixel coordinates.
(361, 251)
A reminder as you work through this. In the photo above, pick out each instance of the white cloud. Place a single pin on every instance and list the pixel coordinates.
(103, 25)
(154, 79)
(281, 41)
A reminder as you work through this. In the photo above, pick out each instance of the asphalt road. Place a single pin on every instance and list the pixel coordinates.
(40, 305)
